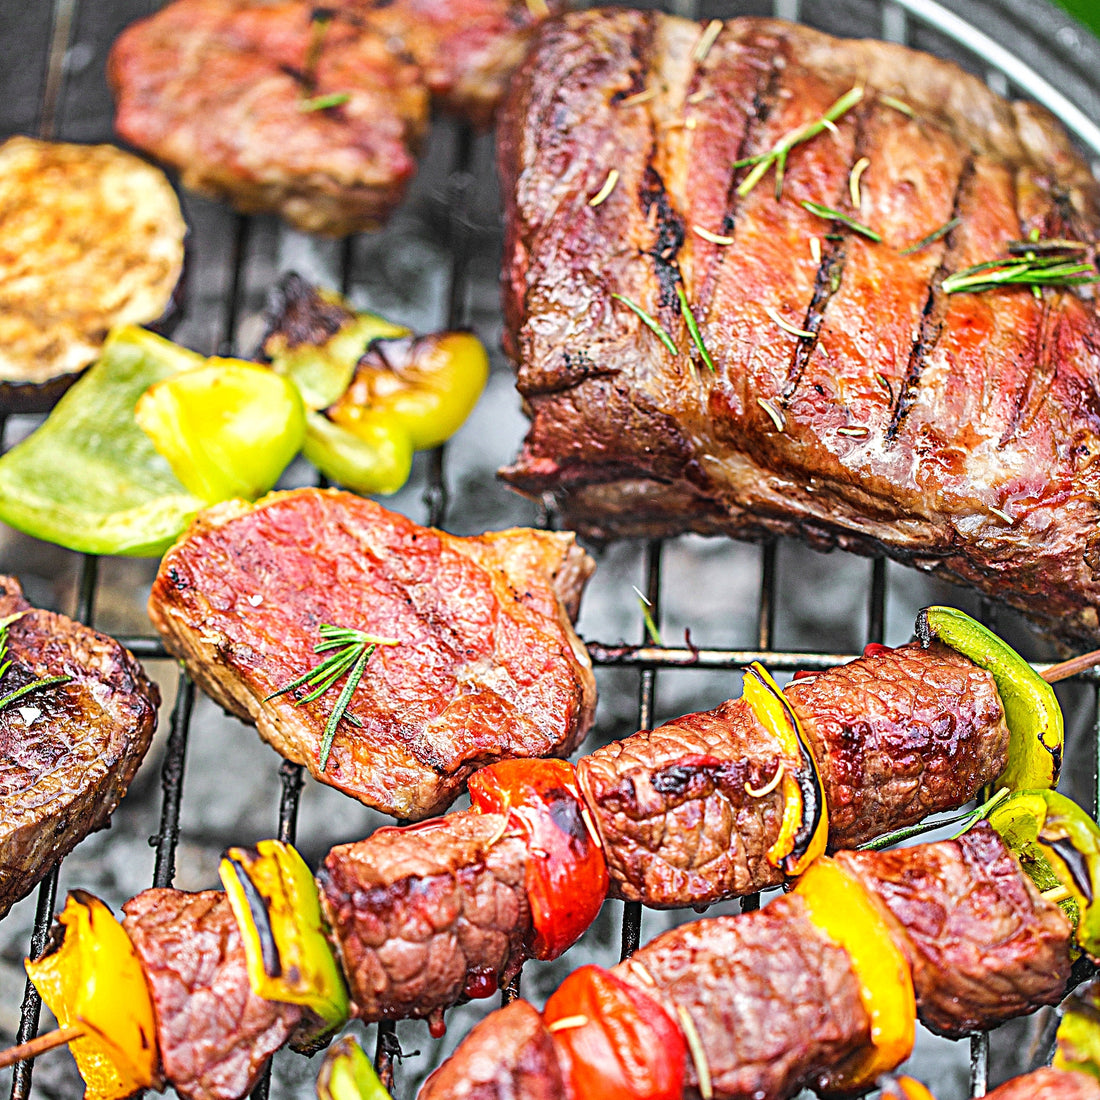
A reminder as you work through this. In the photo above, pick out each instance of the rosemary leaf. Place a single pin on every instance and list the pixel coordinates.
(651, 630)
(693, 328)
(932, 237)
(323, 102)
(829, 214)
(777, 155)
(26, 689)
(786, 326)
(1045, 244)
(887, 840)
(606, 189)
(649, 322)
(854, 177)
(1032, 270)
(342, 702)
(898, 105)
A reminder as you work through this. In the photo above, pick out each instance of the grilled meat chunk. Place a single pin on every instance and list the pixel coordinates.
(68, 751)
(982, 944)
(954, 431)
(213, 1033)
(772, 998)
(508, 1056)
(313, 112)
(898, 734)
(1048, 1084)
(487, 664)
(427, 914)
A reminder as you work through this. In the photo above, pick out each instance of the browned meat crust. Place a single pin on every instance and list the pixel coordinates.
(68, 752)
(508, 1056)
(426, 915)
(958, 433)
(983, 945)
(898, 734)
(213, 1033)
(488, 664)
(1048, 1084)
(217, 89)
(772, 998)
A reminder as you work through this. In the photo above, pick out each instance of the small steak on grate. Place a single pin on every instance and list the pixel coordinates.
(67, 751)
(486, 666)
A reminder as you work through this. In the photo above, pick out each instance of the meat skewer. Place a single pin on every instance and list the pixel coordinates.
(954, 931)
(817, 988)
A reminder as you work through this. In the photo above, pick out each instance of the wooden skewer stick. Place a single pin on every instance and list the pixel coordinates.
(1071, 667)
(33, 1047)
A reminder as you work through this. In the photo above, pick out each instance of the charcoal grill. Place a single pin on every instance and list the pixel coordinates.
(436, 264)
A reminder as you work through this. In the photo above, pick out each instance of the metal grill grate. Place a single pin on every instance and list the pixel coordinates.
(60, 33)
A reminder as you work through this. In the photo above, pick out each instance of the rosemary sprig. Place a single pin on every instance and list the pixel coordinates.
(1030, 270)
(693, 328)
(5, 664)
(831, 215)
(323, 102)
(651, 630)
(777, 154)
(653, 325)
(349, 650)
(1046, 245)
(967, 819)
(932, 237)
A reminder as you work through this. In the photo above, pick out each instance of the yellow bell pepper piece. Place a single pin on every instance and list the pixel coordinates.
(376, 458)
(94, 981)
(346, 1074)
(1032, 714)
(275, 901)
(1078, 1042)
(804, 829)
(227, 429)
(904, 1088)
(838, 904)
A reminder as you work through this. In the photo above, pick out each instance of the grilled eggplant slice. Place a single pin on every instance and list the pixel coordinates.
(90, 237)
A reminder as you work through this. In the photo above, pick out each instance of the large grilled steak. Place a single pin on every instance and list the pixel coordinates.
(854, 402)
(67, 751)
(487, 664)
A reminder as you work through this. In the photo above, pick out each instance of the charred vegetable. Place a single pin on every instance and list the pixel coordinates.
(346, 1074)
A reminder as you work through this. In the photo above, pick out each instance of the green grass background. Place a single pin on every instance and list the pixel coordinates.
(1087, 11)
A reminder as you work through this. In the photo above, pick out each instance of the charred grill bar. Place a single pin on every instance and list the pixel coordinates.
(50, 32)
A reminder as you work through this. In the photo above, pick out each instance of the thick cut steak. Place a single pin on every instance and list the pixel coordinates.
(486, 664)
(956, 432)
(69, 751)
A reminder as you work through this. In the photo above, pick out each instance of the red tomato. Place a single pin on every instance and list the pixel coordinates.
(566, 881)
(619, 1043)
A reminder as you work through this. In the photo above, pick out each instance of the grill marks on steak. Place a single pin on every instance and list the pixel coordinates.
(982, 943)
(214, 1034)
(487, 665)
(429, 914)
(67, 752)
(898, 735)
(956, 432)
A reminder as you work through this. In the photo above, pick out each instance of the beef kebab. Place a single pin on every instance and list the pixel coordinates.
(470, 643)
(77, 715)
(763, 281)
(311, 111)
(822, 985)
(450, 908)
(819, 988)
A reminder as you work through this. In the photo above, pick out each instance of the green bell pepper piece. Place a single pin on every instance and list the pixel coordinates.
(1078, 1042)
(1032, 714)
(1058, 845)
(346, 1074)
(89, 478)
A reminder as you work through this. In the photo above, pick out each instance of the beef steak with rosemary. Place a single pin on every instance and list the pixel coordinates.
(311, 111)
(687, 811)
(480, 659)
(865, 394)
(68, 747)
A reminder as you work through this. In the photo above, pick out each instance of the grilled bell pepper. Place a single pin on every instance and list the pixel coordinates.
(567, 881)
(92, 979)
(903, 1088)
(1032, 713)
(346, 1074)
(618, 1043)
(1078, 1044)
(228, 428)
(804, 829)
(840, 906)
(375, 394)
(278, 911)
(1057, 844)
